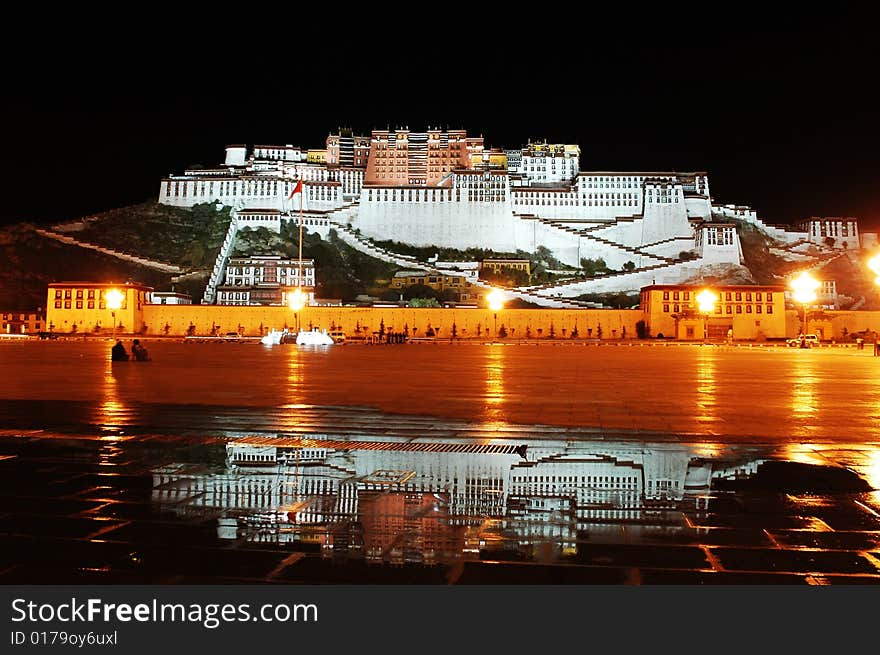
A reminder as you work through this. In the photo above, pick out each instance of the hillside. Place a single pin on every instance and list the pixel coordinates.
(191, 238)
(31, 262)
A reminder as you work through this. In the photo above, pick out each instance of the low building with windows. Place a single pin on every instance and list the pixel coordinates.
(834, 232)
(457, 282)
(265, 280)
(81, 307)
(316, 156)
(718, 243)
(741, 312)
(171, 298)
(21, 322)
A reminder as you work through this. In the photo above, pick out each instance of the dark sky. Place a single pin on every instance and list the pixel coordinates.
(780, 111)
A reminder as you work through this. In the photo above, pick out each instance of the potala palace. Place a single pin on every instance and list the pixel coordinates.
(446, 189)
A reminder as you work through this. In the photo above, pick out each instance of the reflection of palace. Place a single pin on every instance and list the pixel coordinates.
(423, 501)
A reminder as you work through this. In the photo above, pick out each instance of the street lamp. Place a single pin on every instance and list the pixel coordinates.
(114, 298)
(804, 287)
(296, 300)
(495, 300)
(874, 265)
(706, 300)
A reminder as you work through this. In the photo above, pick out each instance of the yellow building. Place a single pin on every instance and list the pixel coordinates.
(19, 322)
(317, 156)
(82, 307)
(742, 312)
(458, 283)
(495, 158)
(495, 265)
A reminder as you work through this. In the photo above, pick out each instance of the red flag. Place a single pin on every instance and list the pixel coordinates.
(297, 189)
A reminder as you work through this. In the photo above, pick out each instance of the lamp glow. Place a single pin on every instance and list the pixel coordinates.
(296, 300)
(874, 265)
(495, 299)
(706, 299)
(804, 287)
(114, 298)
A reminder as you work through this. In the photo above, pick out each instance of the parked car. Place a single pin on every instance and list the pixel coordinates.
(809, 340)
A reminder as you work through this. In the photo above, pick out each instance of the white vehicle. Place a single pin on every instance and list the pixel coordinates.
(302, 338)
(809, 340)
(314, 338)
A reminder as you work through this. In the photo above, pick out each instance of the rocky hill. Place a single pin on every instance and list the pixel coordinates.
(189, 239)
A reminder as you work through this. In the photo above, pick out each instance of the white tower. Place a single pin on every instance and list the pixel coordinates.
(236, 155)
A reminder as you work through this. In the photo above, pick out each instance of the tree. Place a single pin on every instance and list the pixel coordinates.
(599, 331)
(629, 266)
(574, 332)
(593, 267)
(552, 333)
(167, 328)
(502, 331)
(419, 291)
(528, 331)
(454, 330)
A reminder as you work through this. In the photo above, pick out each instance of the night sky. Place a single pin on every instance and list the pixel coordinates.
(781, 113)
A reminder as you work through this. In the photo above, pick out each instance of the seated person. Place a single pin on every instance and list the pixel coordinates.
(118, 353)
(139, 352)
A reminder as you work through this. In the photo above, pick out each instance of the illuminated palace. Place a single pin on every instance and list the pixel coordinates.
(445, 188)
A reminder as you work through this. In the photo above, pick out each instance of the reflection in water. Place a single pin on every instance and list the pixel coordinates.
(495, 395)
(872, 470)
(803, 393)
(112, 412)
(295, 378)
(412, 501)
(707, 387)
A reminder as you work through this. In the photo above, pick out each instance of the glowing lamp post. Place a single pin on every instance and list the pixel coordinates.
(804, 287)
(114, 298)
(706, 300)
(874, 265)
(495, 300)
(296, 300)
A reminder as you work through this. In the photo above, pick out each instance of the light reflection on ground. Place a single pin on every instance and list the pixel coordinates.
(614, 464)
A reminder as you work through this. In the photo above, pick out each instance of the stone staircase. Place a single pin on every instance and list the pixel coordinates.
(165, 267)
(220, 263)
(366, 246)
(629, 280)
(584, 234)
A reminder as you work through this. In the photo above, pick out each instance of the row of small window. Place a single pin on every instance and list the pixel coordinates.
(454, 281)
(90, 304)
(729, 296)
(234, 295)
(729, 310)
(11, 317)
(259, 270)
(578, 203)
(68, 293)
(590, 479)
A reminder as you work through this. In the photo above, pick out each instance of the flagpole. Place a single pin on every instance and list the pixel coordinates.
(302, 200)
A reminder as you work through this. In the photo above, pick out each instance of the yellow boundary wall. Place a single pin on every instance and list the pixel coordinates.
(469, 323)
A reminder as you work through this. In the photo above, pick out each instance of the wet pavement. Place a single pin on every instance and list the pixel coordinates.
(234, 463)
